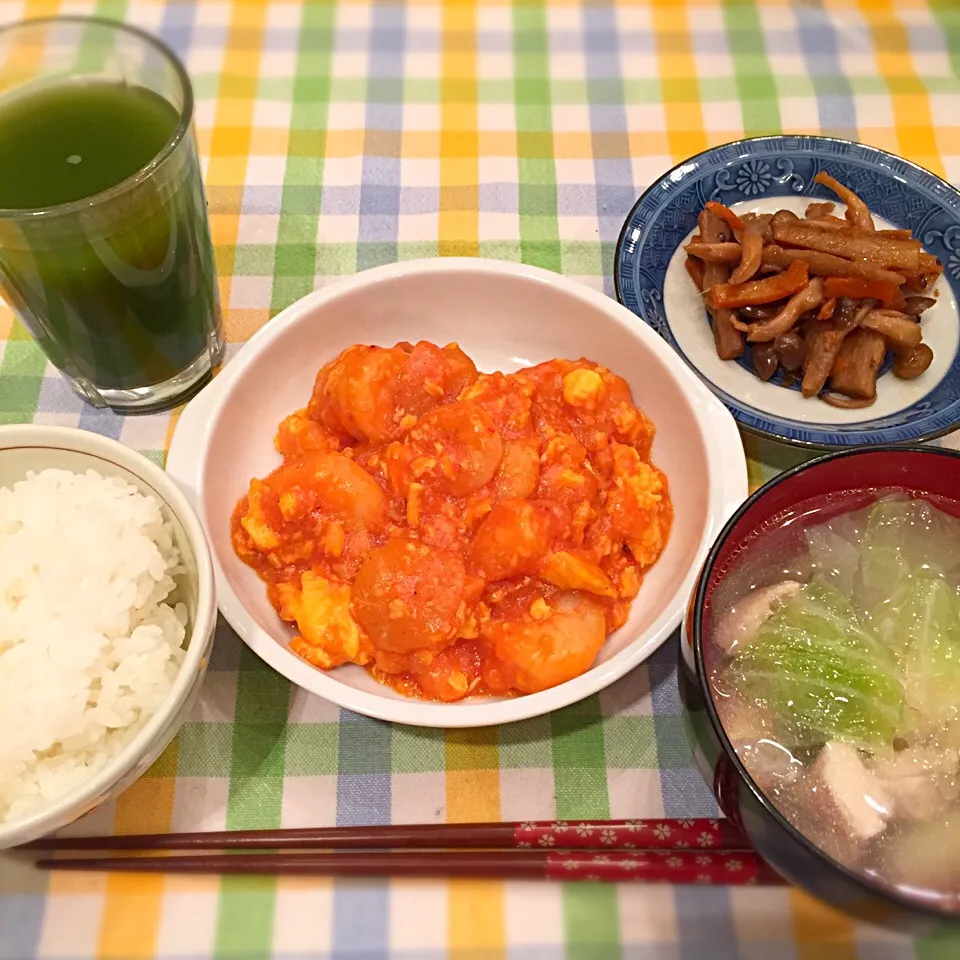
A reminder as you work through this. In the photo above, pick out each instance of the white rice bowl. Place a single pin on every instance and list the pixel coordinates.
(91, 629)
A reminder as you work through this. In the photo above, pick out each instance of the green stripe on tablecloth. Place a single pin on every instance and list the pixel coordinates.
(21, 373)
(590, 916)
(756, 87)
(415, 750)
(258, 766)
(416, 90)
(313, 749)
(631, 743)
(526, 745)
(298, 257)
(945, 946)
(537, 176)
(580, 258)
(254, 800)
(947, 15)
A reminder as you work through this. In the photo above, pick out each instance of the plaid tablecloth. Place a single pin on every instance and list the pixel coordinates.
(340, 136)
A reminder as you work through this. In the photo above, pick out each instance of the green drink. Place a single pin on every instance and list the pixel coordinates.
(105, 251)
(75, 139)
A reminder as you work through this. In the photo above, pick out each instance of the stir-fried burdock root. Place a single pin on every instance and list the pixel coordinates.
(821, 297)
(728, 340)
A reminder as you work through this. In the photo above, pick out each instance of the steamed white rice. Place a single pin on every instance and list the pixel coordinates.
(90, 640)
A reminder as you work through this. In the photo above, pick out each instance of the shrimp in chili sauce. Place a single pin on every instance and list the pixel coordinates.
(455, 532)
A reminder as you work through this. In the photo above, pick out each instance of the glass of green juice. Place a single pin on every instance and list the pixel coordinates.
(105, 251)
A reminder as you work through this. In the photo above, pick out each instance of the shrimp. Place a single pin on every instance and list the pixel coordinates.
(519, 469)
(456, 447)
(318, 507)
(433, 375)
(510, 540)
(330, 483)
(356, 394)
(451, 674)
(550, 644)
(409, 597)
(376, 394)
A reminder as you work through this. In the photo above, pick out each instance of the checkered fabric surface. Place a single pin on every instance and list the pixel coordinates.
(338, 136)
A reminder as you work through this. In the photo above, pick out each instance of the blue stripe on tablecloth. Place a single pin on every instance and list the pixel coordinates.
(98, 420)
(57, 397)
(176, 29)
(615, 191)
(380, 198)
(20, 920)
(821, 49)
(380, 177)
(361, 909)
(227, 647)
(784, 950)
(704, 914)
(534, 951)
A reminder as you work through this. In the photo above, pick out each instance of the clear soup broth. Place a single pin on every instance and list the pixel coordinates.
(833, 647)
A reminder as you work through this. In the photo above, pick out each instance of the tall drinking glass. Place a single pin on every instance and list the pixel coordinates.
(105, 249)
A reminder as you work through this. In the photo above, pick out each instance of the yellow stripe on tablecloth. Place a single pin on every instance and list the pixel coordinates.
(820, 931)
(679, 86)
(459, 222)
(231, 139)
(909, 102)
(133, 903)
(756, 476)
(475, 908)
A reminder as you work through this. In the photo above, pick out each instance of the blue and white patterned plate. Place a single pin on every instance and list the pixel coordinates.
(766, 174)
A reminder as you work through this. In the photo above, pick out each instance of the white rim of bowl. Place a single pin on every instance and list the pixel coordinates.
(722, 440)
(75, 440)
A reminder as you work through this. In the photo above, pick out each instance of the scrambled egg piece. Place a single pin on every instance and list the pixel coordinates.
(414, 502)
(647, 547)
(540, 609)
(571, 572)
(582, 388)
(321, 610)
(644, 486)
(636, 499)
(255, 523)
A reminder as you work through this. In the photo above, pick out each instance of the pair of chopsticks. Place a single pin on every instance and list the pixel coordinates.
(699, 850)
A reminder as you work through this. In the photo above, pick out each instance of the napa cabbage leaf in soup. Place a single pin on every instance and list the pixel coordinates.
(822, 672)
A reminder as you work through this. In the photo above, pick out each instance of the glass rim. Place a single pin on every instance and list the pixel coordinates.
(148, 169)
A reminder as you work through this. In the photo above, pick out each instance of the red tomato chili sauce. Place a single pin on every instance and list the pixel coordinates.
(454, 532)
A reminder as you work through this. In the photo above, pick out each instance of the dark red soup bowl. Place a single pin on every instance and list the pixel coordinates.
(803, 497)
